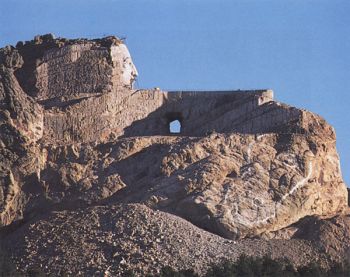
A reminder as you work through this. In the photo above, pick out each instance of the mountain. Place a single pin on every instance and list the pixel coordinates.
(94, 180)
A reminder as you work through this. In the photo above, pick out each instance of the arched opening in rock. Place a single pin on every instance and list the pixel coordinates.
(175, 127)
(174, 122)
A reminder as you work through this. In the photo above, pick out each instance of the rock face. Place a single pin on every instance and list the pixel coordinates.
(74, 133)
(267, 166)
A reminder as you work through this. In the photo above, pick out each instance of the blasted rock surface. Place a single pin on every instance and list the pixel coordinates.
(75, 133)
(233, 183)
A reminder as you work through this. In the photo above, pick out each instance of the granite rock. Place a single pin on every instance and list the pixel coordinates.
(74, 133)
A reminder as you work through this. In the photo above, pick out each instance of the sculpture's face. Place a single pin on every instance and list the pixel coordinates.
(121, 56)
(129, 70)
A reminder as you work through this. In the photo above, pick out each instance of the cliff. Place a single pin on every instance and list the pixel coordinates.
(75, 135)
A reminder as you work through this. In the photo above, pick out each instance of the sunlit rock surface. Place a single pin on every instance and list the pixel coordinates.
(74, 133)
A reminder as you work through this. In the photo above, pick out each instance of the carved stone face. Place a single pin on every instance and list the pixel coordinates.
(122, 61)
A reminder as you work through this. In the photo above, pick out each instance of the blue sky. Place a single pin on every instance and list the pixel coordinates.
(300, 48)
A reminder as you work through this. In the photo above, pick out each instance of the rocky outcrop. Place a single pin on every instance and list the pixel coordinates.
(234, 185)
(75, 134)
(331, 235)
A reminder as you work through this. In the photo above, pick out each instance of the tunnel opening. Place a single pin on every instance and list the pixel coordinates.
(174, 121)
(175, 127)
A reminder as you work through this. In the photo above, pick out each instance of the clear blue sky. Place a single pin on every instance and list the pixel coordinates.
(299, 48)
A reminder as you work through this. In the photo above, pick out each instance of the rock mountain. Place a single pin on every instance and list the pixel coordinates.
(93, 180)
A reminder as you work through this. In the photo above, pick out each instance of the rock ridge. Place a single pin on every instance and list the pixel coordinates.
(75, 133)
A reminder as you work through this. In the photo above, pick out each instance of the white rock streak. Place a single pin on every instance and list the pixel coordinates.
(240, 219)
(298, 185)
(335, 161)
(301, 183)
(249, 151)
